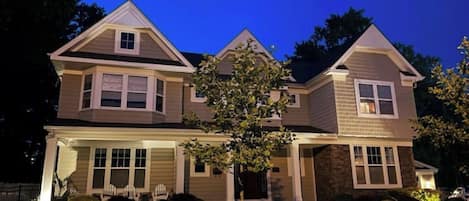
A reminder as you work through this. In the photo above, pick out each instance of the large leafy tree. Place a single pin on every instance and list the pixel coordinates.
(240, 104)
(449, 131)
(339, 30)
(29, 83)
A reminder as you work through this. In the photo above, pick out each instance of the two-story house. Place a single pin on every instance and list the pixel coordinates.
(125, 89)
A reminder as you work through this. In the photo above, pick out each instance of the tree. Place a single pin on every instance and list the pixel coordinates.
(338, 31)
(450, 131)
(240, 104)
(29, 82)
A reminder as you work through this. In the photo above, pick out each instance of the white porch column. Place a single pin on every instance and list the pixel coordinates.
(296, 173)
(230, 190)
(179, 169)
(49, 167)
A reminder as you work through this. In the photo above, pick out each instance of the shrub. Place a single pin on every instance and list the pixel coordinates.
(83, 198)
(415, 194)
(184, 197)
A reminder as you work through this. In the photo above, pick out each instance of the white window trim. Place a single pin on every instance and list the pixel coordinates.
(368, 184)
(82, 91)
(108, 168)
(297, 100)
(163, 95)
(196, 99)
(117, 42)
(378, 114)
(206, 172)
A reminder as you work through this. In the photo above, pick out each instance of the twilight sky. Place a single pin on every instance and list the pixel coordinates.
(433, 27)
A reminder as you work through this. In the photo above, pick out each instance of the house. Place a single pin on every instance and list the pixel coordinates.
(125, 88)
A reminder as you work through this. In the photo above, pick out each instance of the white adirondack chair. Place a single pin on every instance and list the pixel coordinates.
(160, 193)
(130, 192)
(108, 192)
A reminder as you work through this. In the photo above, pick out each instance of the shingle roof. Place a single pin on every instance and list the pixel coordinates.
(81, 123)
(90, 55)
(193, 58)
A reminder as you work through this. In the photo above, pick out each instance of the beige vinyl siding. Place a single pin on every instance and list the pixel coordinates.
(151, 49)
(373, 67)
(69, 98)
(212, 188)
(298, 116)
(105, 44)
(280, 182)
(323, 108)
(173, 101)
(102, 44)
(80, 176)
(163, 168)
(202, 111)
(157, 117)
(307, 181)
(117, 116)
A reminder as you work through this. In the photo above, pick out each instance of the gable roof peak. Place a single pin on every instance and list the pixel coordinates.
(243, 37)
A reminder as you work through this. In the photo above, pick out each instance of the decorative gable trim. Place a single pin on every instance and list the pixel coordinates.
(126, 15)
(373, 41)
(242, 37)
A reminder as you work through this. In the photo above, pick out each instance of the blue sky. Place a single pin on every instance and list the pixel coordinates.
(433, 27)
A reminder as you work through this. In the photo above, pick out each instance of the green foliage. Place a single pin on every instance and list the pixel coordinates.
(240, 104)
(450, 131)
(416, 193)
(338, 31)
(83, 198)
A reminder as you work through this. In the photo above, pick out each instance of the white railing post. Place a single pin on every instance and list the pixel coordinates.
(230, 190)
(49, 167)
(296, 173)
(179, 169)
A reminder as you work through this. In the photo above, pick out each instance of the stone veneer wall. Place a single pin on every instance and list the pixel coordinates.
(334, 176)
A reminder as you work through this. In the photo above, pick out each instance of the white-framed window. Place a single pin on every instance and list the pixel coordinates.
(375, 99)
(127, 42)
(125, 166)
(375, 166)
(86, 94)
(197, 96)
(199, 169)
(293, 100)
(160, 96)
(137, 92)
(111, 93)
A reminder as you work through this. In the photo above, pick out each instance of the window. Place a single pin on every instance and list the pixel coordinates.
(375, 167)
(293, 100)
(99, 168)
(127, 40)
(111, 93)
(137, 92)
(159, 98)
(199, 169)
(140, 165)
(125, 166)
(197, 96)
(375, 99)
(120, 165)
(86, 95)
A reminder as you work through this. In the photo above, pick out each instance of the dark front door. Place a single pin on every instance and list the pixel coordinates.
(254, 184)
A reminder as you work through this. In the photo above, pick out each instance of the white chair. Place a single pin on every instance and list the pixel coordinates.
(130, 192)
(108, 192)
(160, 193)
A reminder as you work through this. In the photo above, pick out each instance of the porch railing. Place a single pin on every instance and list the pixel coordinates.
(19, 192)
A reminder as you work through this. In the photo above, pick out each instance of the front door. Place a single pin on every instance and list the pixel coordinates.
(254, 184)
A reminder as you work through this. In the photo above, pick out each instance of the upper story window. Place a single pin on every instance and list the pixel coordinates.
(375, 99)
(293, 100)
(159, 97)
(375, 166)
(127, 42)
(87, 88)
(197, 96)
(199, 169)
(122, 91)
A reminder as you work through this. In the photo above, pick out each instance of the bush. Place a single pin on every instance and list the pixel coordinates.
(119, 198)
(83, 198)
(184, 197)
(415, 194)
